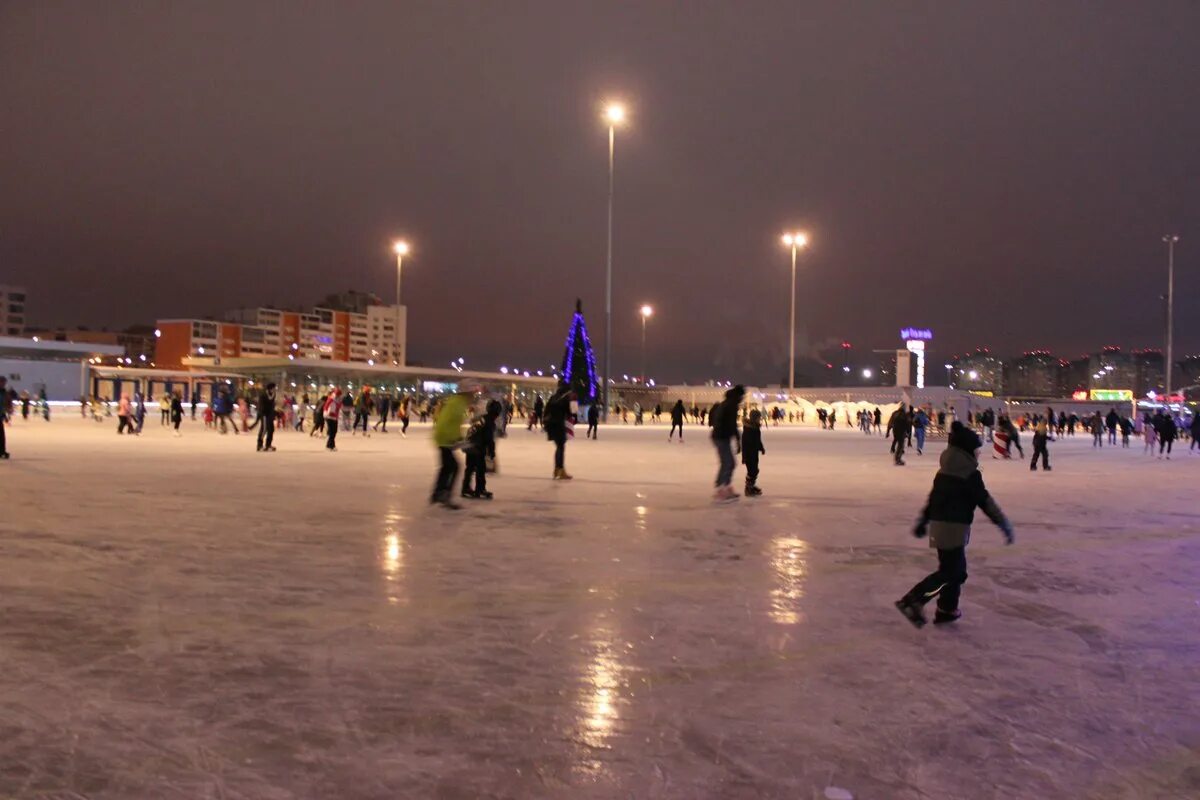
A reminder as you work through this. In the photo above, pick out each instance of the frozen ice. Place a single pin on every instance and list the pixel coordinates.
(186, 618)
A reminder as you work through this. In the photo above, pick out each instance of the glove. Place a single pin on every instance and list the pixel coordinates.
(921, 529)
(1007, 528)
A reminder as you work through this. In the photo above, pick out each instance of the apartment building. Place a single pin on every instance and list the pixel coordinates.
(12, 311)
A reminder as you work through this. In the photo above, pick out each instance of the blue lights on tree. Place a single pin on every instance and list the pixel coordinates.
(579, 361)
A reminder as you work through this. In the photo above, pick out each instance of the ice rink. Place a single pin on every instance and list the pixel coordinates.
(186, 618)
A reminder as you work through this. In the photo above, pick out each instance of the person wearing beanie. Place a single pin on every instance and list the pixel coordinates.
(957, 491)
(724, 422)
(751, 447)
(1041, 436)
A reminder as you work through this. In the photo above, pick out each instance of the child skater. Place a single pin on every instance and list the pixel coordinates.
(751, 446)
(957, 491)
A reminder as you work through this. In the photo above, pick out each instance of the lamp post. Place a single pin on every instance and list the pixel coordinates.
(1170, 240)
(795, 241)
(614, 114)
(646, 311)
(400, 248)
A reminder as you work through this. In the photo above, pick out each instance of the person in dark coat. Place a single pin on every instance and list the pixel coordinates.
(724, 422)
(266, 419)
(752, 446)
(1165, 427)
(957, 491)
(1041, 439)
(1195, 432)
(593, 419)
(481, 445)
(5, 415)
(539, 408)
(897, 428)
(554, 422)
(677, 412)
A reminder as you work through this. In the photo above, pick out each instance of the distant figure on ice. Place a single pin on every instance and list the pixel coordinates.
(176, 411)
(1195, 433)
(1110, 422)
(724, 421)
(556, 421)
(331, 410)
(957, 491)
(539, 407)
(897, 428)
(5, 415)
(1164, 425)
(677, 412)
(593, 421)
(1041, 438)
(266, 418)
(1097, 426)
(920, 423)
(752, 446)
(1014, 436)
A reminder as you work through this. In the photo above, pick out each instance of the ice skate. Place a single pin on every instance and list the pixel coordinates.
(562, 475)
(911, 611)
(725, 494)
(942, 617)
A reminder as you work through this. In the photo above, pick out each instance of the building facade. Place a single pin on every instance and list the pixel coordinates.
(977, 372)
(1036, 373)
(12, 311)
(377, 335)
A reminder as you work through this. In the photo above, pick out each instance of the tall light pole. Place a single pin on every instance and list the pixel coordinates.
(400, 248)
(795, 241)
(1170, 240)
(646, 311)
(614, 114)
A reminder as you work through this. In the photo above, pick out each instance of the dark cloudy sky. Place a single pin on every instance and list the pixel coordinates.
(1001, 172)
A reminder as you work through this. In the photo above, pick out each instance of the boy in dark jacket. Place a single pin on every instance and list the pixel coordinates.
(481, 445)
(957, 491)
(751, 446)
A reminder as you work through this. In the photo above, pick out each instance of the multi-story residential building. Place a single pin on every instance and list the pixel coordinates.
(1036, 373)
(377, 335)
(1112, 369)
(977, 372)
(1148, 366)
(12, 311)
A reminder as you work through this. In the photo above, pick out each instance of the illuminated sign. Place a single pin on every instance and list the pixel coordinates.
(1111, 395)
(1080, 395)
(908, 334)
(982, 393)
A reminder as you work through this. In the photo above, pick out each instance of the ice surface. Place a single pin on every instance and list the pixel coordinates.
(186, 618)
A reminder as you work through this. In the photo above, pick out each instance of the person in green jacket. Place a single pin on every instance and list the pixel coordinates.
(447, 435)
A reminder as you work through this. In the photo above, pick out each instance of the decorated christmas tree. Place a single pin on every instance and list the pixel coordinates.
(579, 362)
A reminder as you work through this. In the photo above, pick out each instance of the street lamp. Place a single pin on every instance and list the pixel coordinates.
(1170, 240)
(646, 311)
(795, 241)
(614, 115)
(400, 248)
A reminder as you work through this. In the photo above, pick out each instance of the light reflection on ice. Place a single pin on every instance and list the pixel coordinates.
(392, 556)
(640, 522)
(601, 680)
(789, 561)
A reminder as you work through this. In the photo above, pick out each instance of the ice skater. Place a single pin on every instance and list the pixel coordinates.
(333, 407)
(957, 491)
(1041, 439)
(448, 435)
(481, 446)
(752, 446)
(5, 416)
(897, 427)
(593, 420)
(677, 414)
(266, 418)
(724, 422)
(1164, 425)
(176, 411)
(556, 419)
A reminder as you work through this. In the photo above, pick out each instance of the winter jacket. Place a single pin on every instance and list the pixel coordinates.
(1165, 427)
(898, 425)
(451, 416)
(266, 404)
(677, 414)
(593, 414)
(481, 436)
(724, 416)
(1196, 427)
(123, 407)
(554, 414)
(752, 444)
(332, 407)
(957, 491)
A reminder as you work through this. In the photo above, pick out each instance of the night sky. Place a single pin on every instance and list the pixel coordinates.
(999, 172)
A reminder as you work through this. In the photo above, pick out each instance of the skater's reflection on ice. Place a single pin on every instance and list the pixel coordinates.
(790, 564)
(639, 522)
